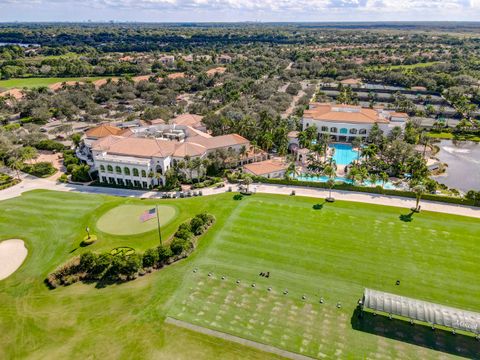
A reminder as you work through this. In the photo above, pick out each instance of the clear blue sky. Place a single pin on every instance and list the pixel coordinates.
(239, 10)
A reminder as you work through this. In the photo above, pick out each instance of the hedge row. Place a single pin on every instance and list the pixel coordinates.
(372, 190)
(114, 267)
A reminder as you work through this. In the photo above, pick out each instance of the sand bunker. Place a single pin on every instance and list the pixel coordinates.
(12, 254)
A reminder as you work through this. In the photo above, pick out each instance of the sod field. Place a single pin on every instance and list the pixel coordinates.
(330, 253)
(38, 82)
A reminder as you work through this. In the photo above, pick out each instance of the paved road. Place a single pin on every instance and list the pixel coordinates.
(32, 183)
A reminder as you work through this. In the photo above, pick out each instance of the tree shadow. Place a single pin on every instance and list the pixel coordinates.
(420, 335)
(407, 217)
(318, 206)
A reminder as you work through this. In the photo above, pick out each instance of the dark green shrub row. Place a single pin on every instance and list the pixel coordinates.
(7, 181)
(41, 169)
(206, 183)
(50, 145)
(107, 268)
(373, 190)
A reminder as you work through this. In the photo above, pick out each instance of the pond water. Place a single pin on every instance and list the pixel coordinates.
(463, 159)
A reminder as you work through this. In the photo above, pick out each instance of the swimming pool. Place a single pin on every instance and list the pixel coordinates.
(344, 154)
(388, 185)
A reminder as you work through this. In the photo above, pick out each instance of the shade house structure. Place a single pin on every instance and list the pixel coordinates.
(413, 309)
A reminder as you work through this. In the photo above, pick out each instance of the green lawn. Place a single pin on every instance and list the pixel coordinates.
(450, 136)
(334, 252)
(37, 82)
(403, 67)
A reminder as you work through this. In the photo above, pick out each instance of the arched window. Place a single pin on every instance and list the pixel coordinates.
(102, 168)
(159, 170)
(333, 129)
(353, 131)
(325, 128)
(135, 172)
(118, 169)
(343, 131)
(126, 171)
(362, 131)
(144, 173)
(109, 168)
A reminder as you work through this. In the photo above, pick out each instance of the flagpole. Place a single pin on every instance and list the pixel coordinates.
(158, 225)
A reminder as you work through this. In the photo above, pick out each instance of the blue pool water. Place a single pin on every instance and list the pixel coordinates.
(388, 185)
(344, 154)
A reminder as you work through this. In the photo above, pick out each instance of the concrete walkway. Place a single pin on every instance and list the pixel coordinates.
(32, 183)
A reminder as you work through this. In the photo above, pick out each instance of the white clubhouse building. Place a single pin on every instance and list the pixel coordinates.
(345, 122)
(141, 156)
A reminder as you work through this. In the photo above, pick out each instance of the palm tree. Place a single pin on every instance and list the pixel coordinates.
(196, 166)
(291, 170)
(243, 151)
(362, 174)
(330, 172)
(248, 181)
(383, 178)
(373, 178)
(419, 190)
(16, 165)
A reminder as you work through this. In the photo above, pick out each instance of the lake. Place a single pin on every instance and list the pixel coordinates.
(463, 159)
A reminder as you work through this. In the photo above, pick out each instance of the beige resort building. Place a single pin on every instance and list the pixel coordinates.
(345, 122)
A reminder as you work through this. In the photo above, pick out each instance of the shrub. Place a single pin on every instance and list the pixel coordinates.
(41, 169)
(184, 234)
(49, 145)
(80, 173)
(88, 261)
(237, 197)
(178, 245)
(164, 253)
(63, 178)
(150, 258)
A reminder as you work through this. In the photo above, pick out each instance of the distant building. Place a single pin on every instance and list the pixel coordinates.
(269, 168)
(167, 60)
(346, 122)
(224, 59)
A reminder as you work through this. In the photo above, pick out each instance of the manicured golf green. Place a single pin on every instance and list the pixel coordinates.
(125, 219)
(332, 253)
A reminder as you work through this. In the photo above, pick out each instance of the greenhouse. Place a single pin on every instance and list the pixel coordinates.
(419, 310)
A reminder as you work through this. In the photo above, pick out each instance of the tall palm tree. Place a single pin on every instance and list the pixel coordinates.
(292, 170)
(419, 190)
(330, 172)
(383, 178)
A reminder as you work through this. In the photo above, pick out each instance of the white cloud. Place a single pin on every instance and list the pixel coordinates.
(215, 10)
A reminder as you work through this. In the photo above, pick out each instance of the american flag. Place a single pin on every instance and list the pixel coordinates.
(148, 214)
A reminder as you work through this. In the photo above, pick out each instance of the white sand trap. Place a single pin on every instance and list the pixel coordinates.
(12, 254)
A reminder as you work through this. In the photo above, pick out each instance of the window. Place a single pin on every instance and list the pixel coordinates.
(362, 131)
(325, 128)
(333, 129)
(118, 169)
(128, 182)
(353, 131)
(111, 180)
(102, 168)
(136, 183)
(104, 179)
(343, 131)
(135, 172)
(126, 171)
(110, 168)
(120, 182)
(145, 184)
(159, 170)
(144, 173)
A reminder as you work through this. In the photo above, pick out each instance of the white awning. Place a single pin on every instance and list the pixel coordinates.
(422, 310)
